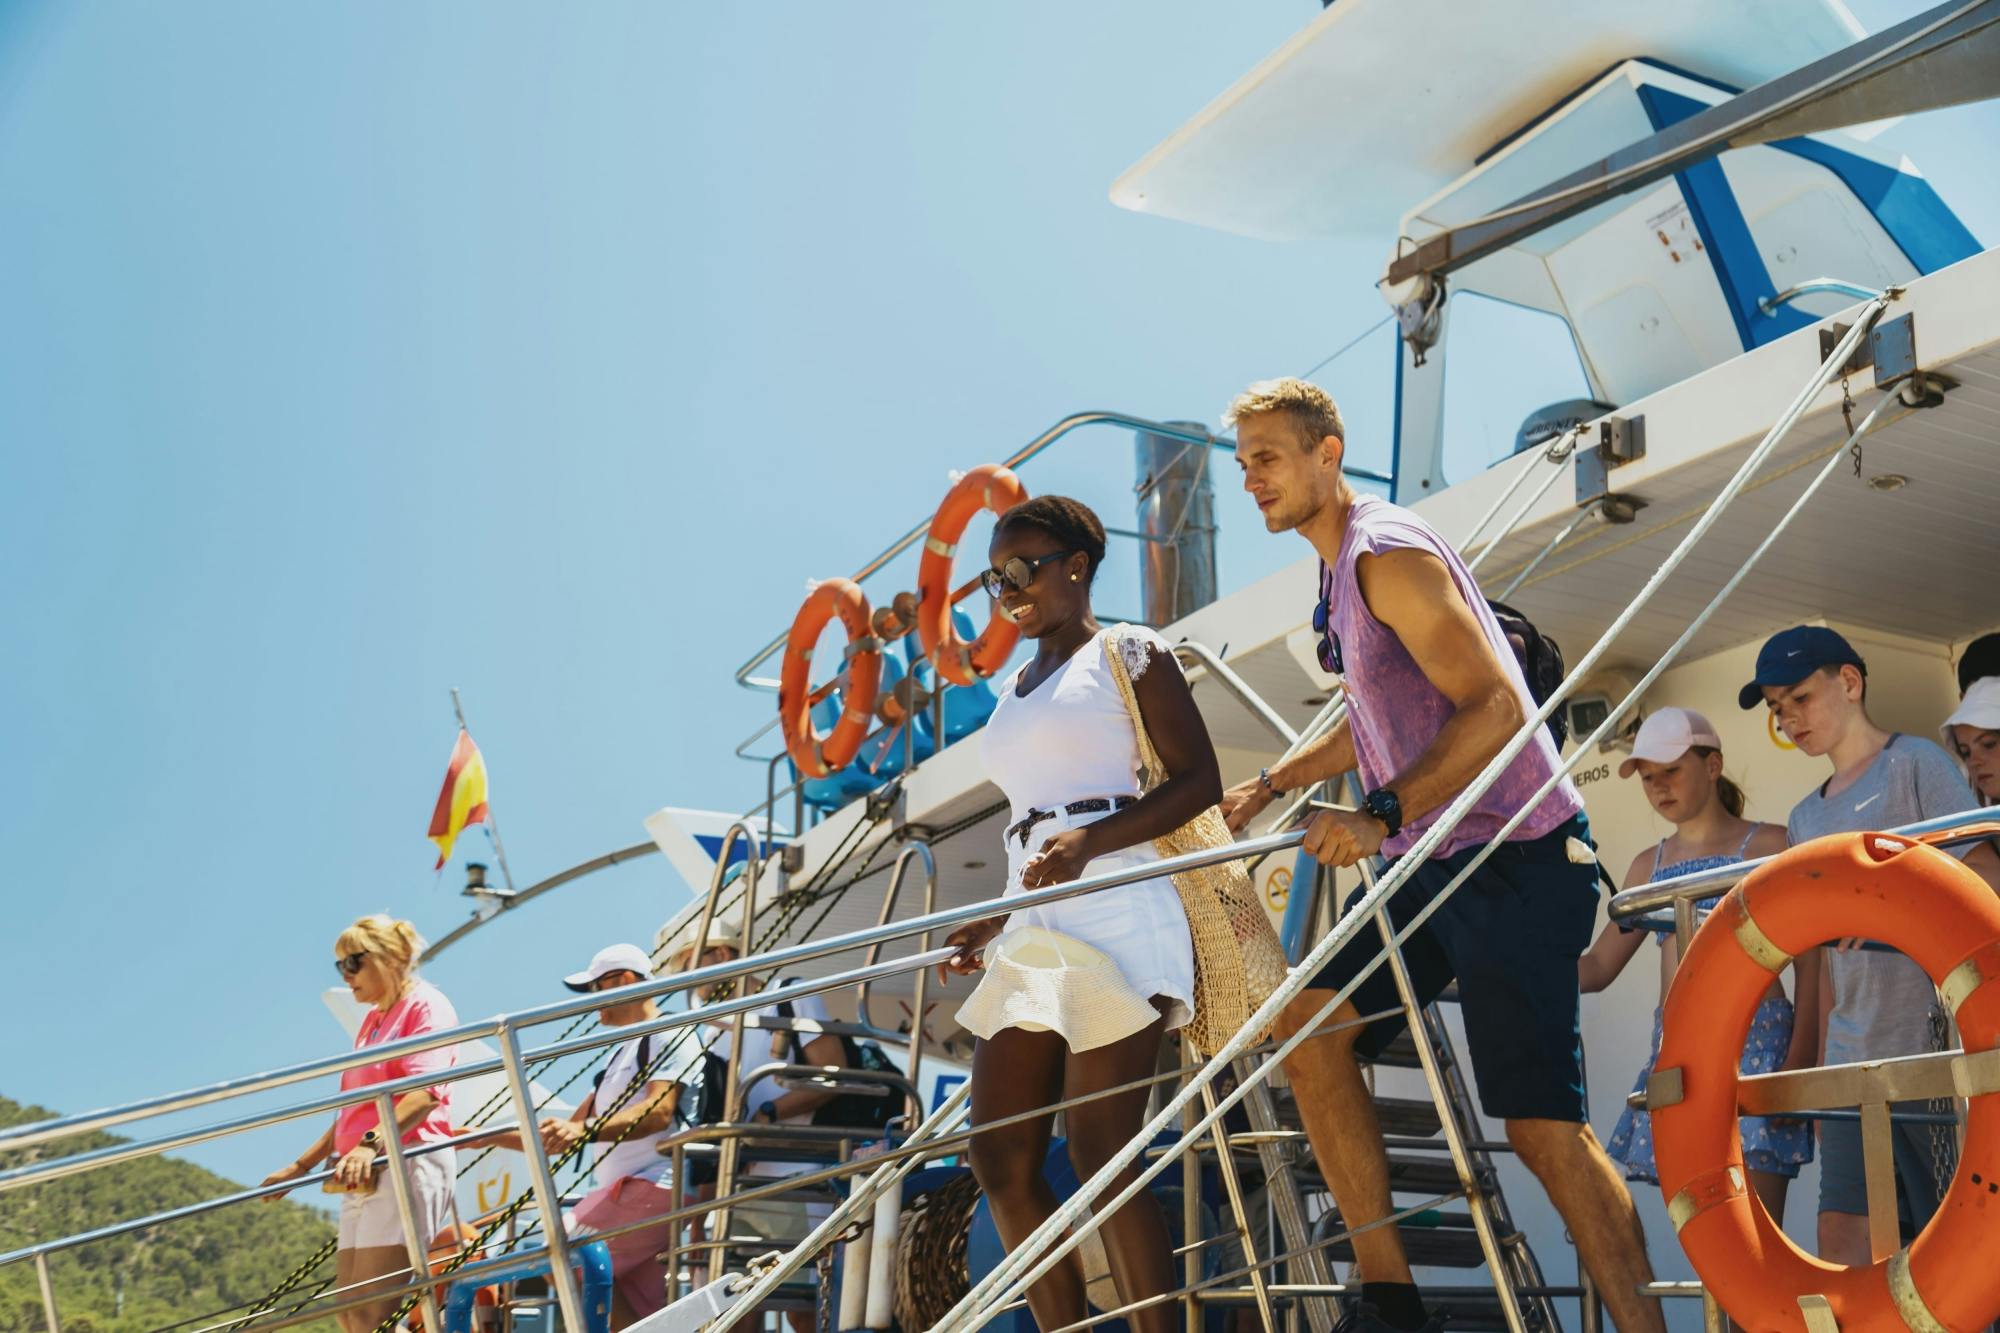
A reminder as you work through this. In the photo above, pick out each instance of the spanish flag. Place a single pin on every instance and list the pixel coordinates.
(462, 803)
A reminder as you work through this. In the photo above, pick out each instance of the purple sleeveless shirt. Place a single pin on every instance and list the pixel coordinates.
(1393, 710)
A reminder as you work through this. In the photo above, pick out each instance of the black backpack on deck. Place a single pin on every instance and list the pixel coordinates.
(1541, 662)
(852, 1110)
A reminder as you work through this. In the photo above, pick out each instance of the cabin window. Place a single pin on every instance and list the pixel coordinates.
(1504, 362)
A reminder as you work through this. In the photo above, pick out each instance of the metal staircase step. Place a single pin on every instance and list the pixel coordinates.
(1450, 1243)
(1409, 1117)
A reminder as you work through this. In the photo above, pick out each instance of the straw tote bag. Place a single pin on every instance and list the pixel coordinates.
(1238, 960)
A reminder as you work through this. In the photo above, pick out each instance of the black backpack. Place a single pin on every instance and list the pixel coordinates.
(1541, 662)
(852, 1110)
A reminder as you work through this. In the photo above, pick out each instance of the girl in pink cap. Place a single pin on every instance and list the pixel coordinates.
(1678, 759)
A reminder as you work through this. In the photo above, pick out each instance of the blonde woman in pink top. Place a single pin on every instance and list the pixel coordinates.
(377, 957)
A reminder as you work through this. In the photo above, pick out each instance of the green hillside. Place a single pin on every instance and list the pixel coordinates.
(149, 1279)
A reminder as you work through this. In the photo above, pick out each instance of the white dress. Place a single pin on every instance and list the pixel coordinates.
(1070, 740)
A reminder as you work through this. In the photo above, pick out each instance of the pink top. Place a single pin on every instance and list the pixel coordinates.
(423, 1009)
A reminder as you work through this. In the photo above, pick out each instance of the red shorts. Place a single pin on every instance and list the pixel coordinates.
(636, 1270)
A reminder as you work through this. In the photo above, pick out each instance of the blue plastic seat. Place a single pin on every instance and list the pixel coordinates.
(879, 759)
(966, 707)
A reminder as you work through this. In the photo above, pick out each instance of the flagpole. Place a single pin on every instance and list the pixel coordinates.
(492, 824)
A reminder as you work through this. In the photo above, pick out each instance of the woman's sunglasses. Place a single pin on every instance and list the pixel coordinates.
(1017, 573)
(1329, 642)
(352, 964)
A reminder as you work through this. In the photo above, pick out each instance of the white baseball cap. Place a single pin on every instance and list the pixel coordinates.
(615, 958)
(1667, 735)
(1980, 708)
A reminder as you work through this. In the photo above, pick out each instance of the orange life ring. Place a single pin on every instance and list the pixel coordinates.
(817, 757)
(988, 486)
(1944, 917)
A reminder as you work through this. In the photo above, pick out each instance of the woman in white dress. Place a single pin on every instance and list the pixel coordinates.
(1061, 746)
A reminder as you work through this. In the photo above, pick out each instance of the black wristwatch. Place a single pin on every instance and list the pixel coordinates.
(1264, 778)
(767, 1109)
(1385, 806)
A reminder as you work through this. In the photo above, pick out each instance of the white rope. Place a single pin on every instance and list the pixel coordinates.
(1557, 453)
(1007, 1278)
(1547, 551)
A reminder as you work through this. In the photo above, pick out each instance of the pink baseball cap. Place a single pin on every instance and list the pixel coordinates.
(1667, 735)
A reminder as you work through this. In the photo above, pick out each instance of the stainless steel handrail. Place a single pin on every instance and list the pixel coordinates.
(1769, 304)
(1239, 689)
(116, 1229)
(47, 1131)
(1708, 883)
(710, 1013)
(1073, 422)
(513, 900)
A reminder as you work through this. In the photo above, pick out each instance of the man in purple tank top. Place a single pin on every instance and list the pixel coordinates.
(1434, 693)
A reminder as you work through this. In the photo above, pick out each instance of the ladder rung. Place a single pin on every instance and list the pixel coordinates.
(1410, 1117)
(1452, 1243)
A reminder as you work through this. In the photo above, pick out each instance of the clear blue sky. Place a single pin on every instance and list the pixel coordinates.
(352, 352)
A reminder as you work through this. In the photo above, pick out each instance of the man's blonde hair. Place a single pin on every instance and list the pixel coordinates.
(1308, 407)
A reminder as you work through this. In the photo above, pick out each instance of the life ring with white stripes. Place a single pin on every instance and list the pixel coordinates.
(815, 756)
(988, 486)
(1943, 916)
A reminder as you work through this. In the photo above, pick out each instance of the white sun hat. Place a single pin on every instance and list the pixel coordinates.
(1045, 981)
(1667, 735)
(1980, 708)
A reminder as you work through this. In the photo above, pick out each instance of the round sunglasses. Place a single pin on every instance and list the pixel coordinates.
(1017, 573)
(352, 964)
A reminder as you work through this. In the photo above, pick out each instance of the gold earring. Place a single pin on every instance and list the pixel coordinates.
(1072, 578)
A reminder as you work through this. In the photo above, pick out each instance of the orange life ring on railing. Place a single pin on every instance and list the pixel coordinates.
(988, 486)
(1944, 917)
(817, 757)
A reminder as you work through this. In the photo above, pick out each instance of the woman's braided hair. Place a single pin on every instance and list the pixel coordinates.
(1071, 522)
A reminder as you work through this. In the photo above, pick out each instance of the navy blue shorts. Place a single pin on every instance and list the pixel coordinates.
(1510, 937)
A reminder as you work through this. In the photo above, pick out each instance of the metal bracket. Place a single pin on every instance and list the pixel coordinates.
(1892, 345)
(1620, 440)
(1665, 1088)
(1890, 349)
(1862, 357)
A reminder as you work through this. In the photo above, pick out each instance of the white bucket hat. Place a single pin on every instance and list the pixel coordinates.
(1667, 735)
(1980, 708)
(1046, 981)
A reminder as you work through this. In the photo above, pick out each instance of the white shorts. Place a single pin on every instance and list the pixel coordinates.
(368, 1221)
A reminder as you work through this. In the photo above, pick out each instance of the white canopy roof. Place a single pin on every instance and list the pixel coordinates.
(1379, 104)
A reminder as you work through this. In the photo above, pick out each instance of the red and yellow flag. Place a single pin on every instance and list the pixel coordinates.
(462, 803)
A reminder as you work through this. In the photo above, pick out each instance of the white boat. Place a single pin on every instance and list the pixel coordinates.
(1564, 159)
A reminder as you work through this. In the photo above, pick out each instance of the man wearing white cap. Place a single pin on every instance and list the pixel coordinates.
(634, 1181)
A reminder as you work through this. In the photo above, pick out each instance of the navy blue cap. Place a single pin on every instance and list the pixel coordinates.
(1789, 656)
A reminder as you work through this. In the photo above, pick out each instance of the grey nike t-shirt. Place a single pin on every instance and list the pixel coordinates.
(1882, 1001)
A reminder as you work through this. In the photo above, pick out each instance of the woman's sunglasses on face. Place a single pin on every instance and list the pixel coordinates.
(1329, 642)
(352, 964)
(1017, 573)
